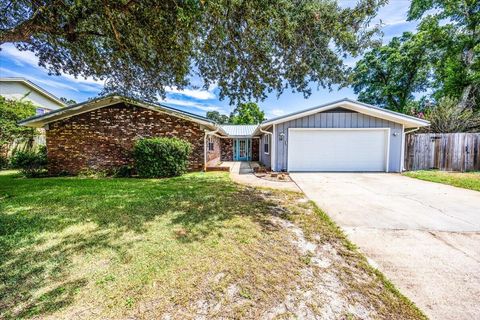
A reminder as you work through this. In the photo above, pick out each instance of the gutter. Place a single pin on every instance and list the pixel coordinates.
(263, 131)
(214, 132)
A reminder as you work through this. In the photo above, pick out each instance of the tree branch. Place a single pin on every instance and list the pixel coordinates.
(23, 31)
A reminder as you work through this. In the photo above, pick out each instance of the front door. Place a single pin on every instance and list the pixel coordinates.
(242, 150)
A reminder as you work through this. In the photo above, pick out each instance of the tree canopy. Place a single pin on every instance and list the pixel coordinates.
(388, 76)
(12, 111)
(452, 35)
(248, 47)
(217, 117)
(247, 113)
(442, 59)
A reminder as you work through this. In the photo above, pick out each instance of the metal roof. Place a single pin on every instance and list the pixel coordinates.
(239, 130)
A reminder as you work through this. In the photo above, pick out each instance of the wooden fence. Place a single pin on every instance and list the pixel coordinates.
(443, 151)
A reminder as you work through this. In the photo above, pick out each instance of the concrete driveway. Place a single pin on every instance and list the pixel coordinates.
(424, 236)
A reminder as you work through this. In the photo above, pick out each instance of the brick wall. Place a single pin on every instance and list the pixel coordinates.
(226, 149)
(103, 138)
(213, 157)
(255, 149)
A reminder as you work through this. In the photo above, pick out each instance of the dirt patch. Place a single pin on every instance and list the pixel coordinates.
(332, 280)
(274, 176)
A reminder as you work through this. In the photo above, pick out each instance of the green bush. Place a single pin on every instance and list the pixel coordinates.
(123, 172)
(31, 163)
(3, 162)
(161, 157)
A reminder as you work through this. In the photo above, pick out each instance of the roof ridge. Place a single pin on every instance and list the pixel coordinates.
(120, 98)
(34, 86)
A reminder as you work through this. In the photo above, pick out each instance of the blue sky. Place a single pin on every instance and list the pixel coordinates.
(14, 63)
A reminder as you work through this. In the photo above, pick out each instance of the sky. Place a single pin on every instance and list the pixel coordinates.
(15, 63)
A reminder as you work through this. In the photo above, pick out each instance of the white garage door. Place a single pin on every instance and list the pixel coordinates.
(338, 149)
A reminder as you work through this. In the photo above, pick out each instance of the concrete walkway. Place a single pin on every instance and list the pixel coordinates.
(242, 172)
(423, 236)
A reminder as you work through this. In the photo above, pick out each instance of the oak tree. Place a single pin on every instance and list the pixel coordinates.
(247, 47)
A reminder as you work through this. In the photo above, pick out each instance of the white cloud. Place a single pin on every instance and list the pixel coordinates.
(191, 104)
(37, 80)
(22, 58)
(277, 112)
(88, 80)
(199, 94)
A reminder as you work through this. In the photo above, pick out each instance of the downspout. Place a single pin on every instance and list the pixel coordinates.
(270, 145)
(265, 132)
(214, 132)
(413, 130)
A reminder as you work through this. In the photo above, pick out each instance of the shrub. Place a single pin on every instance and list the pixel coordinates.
(3, 162)
(93, 173)
(12, 111)
(31, 163)
(123, 172)
(447, 116)
(161, 157)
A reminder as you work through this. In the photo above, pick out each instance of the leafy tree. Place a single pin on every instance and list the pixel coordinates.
(12, 111)
(388, 76)
(247, 113)
(217, 117)
(248, 47)
(452, 35)
(447, 116)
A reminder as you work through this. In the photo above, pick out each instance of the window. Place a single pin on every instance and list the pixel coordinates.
(211, 145)
(266, 143)
(40, 111)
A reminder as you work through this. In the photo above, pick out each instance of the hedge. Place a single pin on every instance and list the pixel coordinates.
(161, 157)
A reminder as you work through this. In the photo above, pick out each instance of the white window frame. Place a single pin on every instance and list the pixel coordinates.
(266, 141)
(40, 111)
(210, 143)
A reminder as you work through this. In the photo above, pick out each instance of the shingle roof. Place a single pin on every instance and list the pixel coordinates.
(239, 130)
(78, 108)
(33, 86)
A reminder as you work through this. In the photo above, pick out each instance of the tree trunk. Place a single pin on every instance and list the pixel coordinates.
(468, 60)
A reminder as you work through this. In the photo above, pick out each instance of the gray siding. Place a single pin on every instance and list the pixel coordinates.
(265, 159)
(338, 119)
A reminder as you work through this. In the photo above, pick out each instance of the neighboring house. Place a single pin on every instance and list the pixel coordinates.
(341, 136)
(23, 89)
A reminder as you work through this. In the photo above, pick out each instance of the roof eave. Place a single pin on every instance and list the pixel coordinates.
(407, 121)
(38, 89)
(42, 120)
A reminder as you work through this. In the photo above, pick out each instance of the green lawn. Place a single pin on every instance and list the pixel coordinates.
(198, 244)
(467, 180)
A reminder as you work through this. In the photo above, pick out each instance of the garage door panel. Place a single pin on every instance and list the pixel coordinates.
(337, 150)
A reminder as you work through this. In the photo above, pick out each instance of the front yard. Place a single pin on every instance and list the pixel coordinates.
(466, 180)
(197, 246)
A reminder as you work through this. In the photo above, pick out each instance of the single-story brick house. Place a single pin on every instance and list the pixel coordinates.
(341, 136)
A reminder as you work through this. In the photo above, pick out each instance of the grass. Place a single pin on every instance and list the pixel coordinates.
(196, 244)
(466, 180)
